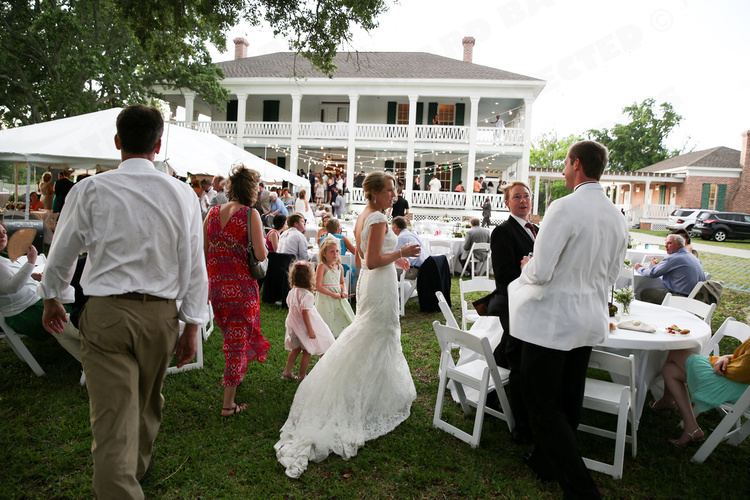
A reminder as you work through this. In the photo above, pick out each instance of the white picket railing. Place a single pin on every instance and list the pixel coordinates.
(490, 136)
(222, 129)
(496, 201)
(382, 131)
(657, 211)
(443, 199)
(320, 130)
(441, 133)
(268, 129)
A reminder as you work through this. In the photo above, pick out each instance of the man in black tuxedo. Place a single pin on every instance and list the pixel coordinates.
(511, 241)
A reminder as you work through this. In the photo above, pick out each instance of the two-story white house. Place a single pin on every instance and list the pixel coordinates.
(417, 114)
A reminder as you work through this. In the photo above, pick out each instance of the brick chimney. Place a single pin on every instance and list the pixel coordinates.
(745, 152)
(240, 47)
(468, 43)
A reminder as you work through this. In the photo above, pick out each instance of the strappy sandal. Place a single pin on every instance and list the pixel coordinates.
(289, 376)
(237, 408)
(692, 437)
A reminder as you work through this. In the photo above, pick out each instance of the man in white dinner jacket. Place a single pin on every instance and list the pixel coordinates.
(558, 307)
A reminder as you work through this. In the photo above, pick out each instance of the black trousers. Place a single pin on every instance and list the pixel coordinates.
(553, 383)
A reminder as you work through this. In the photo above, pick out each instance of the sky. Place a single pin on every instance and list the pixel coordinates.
(596, 56)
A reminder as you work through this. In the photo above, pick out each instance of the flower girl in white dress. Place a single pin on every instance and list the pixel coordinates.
(361, 389)
(331, 298)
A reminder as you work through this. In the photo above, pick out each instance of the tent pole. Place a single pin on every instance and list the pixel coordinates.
(28, 191)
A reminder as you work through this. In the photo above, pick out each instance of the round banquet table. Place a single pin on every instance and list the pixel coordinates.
(651, 349)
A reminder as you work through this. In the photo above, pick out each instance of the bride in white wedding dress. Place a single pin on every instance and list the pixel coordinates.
(361, 388)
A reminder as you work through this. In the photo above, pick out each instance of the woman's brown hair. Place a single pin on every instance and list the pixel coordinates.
(243, 185)
(301, 275)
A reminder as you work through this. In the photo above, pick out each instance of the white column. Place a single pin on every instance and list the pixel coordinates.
(241, 113)
(537, 181)
(294, 159)
(472, 159)
(351, 147)
(612, 193)
(412, 132)
(522, 173)
(647, 199)
(189, 107)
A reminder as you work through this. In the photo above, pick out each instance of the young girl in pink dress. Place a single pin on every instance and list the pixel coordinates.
(306, 331)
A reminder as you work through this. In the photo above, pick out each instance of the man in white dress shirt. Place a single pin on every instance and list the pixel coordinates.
(558, 307)
(293, 240)
(142, 231)
(435, 184)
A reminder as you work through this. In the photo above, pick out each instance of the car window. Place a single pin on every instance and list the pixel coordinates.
(703, 215)
(683, 213)
(747, 218)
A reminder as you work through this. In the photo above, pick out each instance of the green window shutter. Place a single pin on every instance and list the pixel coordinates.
(232, 110)
(389, 165)
(281, 161)
(420, 113)
(662, 195)
(391, 115)
(456, 175)
(460, 112)
(705, 193)
(431, 111)
(721, 195)
(270, 111)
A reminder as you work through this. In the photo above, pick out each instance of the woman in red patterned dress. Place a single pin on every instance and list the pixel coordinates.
(232, 290)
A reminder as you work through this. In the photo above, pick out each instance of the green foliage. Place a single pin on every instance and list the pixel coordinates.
(64, 58)
(549, 152)
(640, 142)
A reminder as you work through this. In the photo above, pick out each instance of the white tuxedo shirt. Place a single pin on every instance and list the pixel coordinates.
(560, 299)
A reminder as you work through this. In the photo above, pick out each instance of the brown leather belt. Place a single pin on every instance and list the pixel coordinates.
(143, 297)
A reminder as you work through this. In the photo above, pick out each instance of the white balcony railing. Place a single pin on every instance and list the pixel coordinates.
(496, 201)
(272, 130)
(320, 130)
(382, 132)
(657, 211)
(490, 136)
(486, 136)
(442, 199)
(442, 133)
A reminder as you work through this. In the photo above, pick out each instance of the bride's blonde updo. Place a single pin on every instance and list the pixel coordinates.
(375, 183)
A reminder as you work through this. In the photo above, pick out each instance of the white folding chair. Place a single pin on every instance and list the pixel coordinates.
(450, 320)
(730, 328)
(696, 307)
(18, 347)
(469, 315)
(696, 289)
(443, 247)
(731, 428)
(482, 375)
(615, 399)
(474, 260)
(406, 290)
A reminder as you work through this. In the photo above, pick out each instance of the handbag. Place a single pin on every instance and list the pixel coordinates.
(257, 267)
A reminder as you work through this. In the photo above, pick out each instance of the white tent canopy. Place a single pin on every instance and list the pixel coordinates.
(87, 141)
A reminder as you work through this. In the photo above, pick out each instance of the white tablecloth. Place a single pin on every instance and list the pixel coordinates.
(636, 255)
(485, 326)
(650, 349)
(456, 245)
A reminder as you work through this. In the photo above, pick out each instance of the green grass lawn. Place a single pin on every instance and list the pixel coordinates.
(45, 437)
(741, 244)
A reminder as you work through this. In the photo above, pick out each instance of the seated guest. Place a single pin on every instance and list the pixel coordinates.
(333, 228)
(680, 271)
(35, 204)
(688, 245)
(277, 208)
(475, 235)
(287, 199)
(21, 306)
(406, 237)
(293, 241)
(322, 232)
(273, 235)
(711, 381)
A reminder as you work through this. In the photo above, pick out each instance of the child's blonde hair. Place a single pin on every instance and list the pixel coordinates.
(328, 241)
(301, 275)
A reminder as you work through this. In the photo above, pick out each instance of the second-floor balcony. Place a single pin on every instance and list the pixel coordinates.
(442, 199)
(370, 132)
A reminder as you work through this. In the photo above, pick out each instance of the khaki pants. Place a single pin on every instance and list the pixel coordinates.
(126, 346)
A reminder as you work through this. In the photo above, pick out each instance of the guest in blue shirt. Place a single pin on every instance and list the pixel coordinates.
(406, 237)
(277, 208)
(680, 271)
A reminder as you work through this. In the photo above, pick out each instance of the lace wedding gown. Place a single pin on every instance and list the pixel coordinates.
(361, 388)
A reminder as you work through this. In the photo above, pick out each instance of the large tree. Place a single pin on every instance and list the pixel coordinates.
(67, 57)
(549, 152)
(640, 142)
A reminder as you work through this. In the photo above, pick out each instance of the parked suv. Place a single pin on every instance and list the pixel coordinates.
(723, 225)
(683, 218)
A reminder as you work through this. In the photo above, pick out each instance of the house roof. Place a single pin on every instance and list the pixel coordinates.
(417, 65)
(720, 157)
